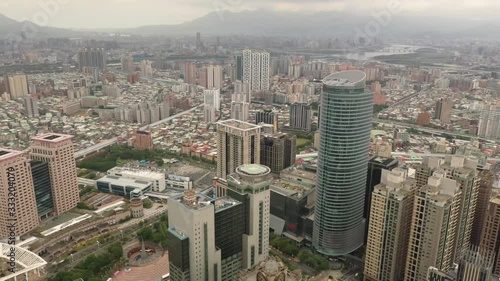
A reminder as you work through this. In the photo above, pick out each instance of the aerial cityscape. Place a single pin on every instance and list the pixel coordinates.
(235, 140)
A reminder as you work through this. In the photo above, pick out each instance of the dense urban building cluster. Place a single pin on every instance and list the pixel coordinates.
(250, 158)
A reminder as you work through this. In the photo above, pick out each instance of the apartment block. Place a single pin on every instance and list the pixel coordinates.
(433, 228)
(463, 170)
(389, 228)
(490, 240)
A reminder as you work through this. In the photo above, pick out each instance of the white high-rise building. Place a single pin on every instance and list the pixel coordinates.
(489, 122)
(212, 98)
(247, 66)
(240, 110)
(146, 68)
(214, 77)
(128, 64)
(209, 114)
(31, 106)
(256, 69)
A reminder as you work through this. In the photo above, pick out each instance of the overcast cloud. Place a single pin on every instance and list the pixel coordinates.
(132, 13)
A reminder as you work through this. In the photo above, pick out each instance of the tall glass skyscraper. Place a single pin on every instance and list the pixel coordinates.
(345, 125)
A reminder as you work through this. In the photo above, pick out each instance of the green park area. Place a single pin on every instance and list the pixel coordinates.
(116, 155)
(119, 155)
(303, 142)
(94, 266)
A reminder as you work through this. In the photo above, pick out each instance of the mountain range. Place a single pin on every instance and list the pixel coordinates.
(288, 24)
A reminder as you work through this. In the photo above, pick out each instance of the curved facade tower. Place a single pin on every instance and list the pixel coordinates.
(345, 125)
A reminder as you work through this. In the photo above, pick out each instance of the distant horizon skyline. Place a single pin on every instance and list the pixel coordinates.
(116, 14)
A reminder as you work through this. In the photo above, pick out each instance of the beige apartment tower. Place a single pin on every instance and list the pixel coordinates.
(433, 227)
(490, 240)
(18, 212)
(464, 171)
(238, 143)
(57, 150)
(389, 228)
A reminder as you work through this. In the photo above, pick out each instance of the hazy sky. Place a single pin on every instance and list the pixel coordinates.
(132, 13)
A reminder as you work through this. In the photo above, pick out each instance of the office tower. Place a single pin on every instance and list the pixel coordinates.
(18, 214)
(143, 140)
(290, 150)
(249, 184)
(463, 170)
(389, 226)
(17, 85)
(192, 238)
(476, 265)
(239, 67)
(215, 77)
(433, 227)
(209, 114)
(300, 117)
(31, 106)
(292, 202)
(238, 143)
(267, 117)
(43, 189)
(199, 43)
(345, 127)
(92, 58)
(490, 240)
(146, 68)
(57, 150)
(128, 64)
(443, 111)
(229, 232)
(189, 71)
(375, 167)
(256, 69)
(211, 97)
(489, 121)
(274, 153)
(240, 110)
(483, 199)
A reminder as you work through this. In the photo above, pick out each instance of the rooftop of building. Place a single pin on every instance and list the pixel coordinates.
(137, 172)
(237, 124)
(125, 182)
(225, 203)
(193, 201)
(299, 173)
(345, 78)
(253, 169)
(52, 137)
(384, 161)
(7, 153)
